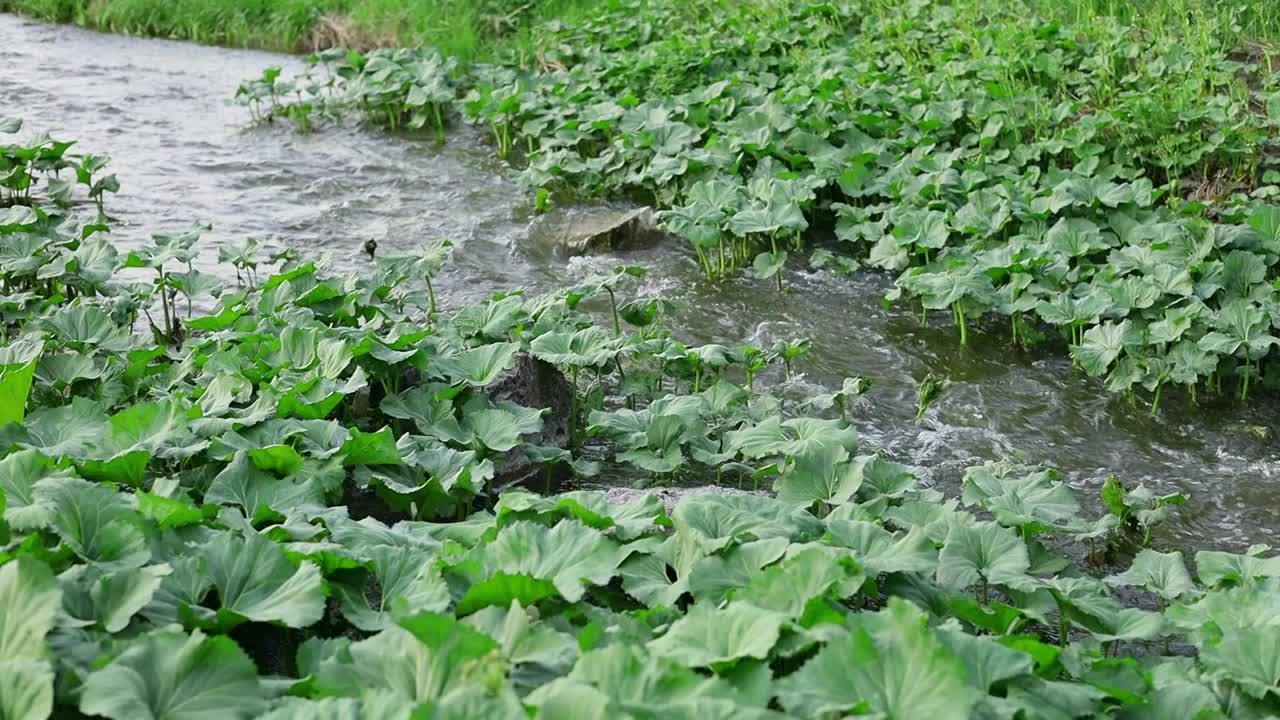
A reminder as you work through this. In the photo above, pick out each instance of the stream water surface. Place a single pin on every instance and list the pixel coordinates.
(183, 154)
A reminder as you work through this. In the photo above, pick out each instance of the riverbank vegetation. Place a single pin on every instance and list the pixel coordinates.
(294, 497)
(264, 489)
(486, 28)
(1092, 184)
(462, 28)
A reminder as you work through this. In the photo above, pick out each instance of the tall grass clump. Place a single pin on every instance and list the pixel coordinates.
(1243, 20)
(468, 29)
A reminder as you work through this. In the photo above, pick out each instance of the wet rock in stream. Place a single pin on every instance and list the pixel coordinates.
(534, 384)
(598, 231)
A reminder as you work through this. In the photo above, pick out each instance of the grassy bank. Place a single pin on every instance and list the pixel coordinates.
(473, 29)
(1252, 21)
(469, 29)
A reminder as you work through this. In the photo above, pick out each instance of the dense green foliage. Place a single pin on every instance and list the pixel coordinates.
(1095, 180)
(286, 505)
(45, 163)
(301, 494)
(465, 28)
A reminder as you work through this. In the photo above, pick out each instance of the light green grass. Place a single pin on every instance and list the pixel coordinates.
(478, 29)
(1250, 20)
(468, 29)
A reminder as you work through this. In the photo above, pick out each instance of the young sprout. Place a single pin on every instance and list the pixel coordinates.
(753, 361)
(850, 391)
(434, 256)
(931, 388)
(620, 273)
(790, 350)
(243, 259)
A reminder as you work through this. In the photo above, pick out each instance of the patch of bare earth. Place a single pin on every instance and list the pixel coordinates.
(336, 30)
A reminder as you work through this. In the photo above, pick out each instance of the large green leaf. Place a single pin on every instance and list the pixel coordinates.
(1241, 271)
(255, 581)
(17, 369)
(1250, 658)
(537, 649)
(921, 229)
(298, 347)
(431, 410)
(65, 430)
(889, 663)
(501, 428)
(1075, 237)
(790, 585)
(1164, 574)
(769, 264)
(880, 551)
(30, 597)
(1214, 567)
(941, 290)
(1244, 607)
(631, 682)
(169, 675)
(713, 521)
(29, 602)
(178, 598)
(591, 347)
(19, 473)
(150, 426)
(708, 636)
(1102, 345)
(407, 580)
(1030, 499)
(479, 367)
(1265, 220)
(1052, 700)
(661, 450)
(94, 521)
(260, 494)
(570, 556)
(109, 599)
(794, 437)
(881, 478)
(374, 448)
(419, 659)
(662, 577)
(983, 551)
(432, 466)
(1239, 325)
(281, 460)
(594, 508)
(474, 700)
(988, 662)
(315, 397)
(820, 475)
(1179, 700)
(26, 689)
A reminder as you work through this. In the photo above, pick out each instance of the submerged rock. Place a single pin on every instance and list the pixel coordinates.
(599, 230)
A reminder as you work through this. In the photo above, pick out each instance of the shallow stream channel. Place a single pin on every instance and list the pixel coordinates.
(183, 154)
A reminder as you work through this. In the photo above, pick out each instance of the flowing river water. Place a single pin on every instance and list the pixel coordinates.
(183, 154)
